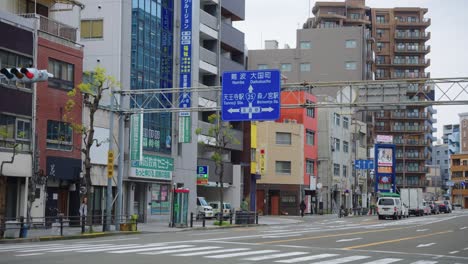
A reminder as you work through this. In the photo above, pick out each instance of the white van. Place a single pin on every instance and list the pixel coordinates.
(203, 209)
(389, 207)
(216, 209)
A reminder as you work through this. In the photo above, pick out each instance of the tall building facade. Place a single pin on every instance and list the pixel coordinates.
(451, 137)
(399, 37)
(463, 133)
(459, 171)
(55, 147)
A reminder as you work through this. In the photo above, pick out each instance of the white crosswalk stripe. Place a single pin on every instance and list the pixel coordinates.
(79, 247)
(280, 255)
(10, 248)
(342, 260)
(230, 255)
(313, 257)
(148, 249)
(114, 247)
(169, 251)
(211, 252)
(46, 248)
(383, 261)
(424, 262)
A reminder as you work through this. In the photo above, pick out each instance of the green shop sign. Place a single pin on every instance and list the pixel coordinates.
(153, 167)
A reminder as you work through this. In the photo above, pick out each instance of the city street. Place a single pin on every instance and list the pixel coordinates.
(327, 239)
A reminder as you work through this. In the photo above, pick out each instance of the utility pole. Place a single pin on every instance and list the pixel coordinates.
(110, 165)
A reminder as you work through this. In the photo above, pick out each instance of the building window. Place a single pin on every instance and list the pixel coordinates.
(15, 132)
(380, 33)
(63, 74)
(351, 43)
(379, 46)
(310, 166)
(305, 45)
(283, 167)
(336, 118)
(92, 29)
(59, 135)
(286, 67)
(445, 161)
(305, 67)
(345, 146)
(283, 138)
(438, 162)
(310, 137)
(350, 65)
(355, 16)
(345, 171)
(336, 169)
(337, 144)
(345, 122)
(310, 110)
(380, 19)
(262, 67)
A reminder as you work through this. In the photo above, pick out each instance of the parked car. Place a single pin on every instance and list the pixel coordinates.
(389, 207)
(443, 208)
(216, 209)
(449, 205)
(203, 209)
(426, 208)
(434, 208)
(457, 207)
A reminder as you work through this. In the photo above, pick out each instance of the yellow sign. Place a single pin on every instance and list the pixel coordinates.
(110, 164)
(262, 164)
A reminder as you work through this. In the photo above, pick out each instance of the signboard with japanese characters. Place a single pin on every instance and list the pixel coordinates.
(153, 167)
(385, 170)
(185, 67)
(251, 95)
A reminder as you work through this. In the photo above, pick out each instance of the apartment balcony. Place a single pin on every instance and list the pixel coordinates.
(410, 142)
(412, 169)
(408, 115)
(411, 62)
(233, 9)
(412, 35)
(232, 37)
(230, 65)
(328, 16)
(411, 156)
(383, 62)
(357, 19)
(459, 168)
(410, 75)
(397, 128)
(406, 22)
(462, 192)
(53, 27)
(208, 56)
(208, 20)
(407, 49)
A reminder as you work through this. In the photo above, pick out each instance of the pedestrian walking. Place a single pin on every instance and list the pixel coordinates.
(302, 206)
(83, 210)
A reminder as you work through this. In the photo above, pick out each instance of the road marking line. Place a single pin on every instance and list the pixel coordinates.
(276, 236)
(148, 249)
(314, 257)
(211, 252)
(113, 247)
(465, 249)
(397, 240)
(424, 262)
(463, 228)
(349, 239)
(342, 260)
(335, 235)
(280, 255)
(384, 261)
(454, 252)
(30, 254)
(177, 250)
(426, 245)
(112, 240)
(230, 255)
(8, 248)
(206, 234)
(421, 230)
(79, 248)
(49, 248)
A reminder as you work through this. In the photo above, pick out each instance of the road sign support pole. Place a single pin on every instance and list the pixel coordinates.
(118, 208)
(109, 179)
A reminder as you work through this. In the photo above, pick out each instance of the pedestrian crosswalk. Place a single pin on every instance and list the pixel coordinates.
(213, 252)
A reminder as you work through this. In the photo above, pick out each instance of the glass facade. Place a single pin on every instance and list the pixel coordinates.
(152, 57)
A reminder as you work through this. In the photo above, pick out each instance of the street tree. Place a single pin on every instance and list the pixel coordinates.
(94, 84)
(218, 136)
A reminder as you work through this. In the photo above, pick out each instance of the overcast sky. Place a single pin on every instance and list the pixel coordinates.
(279, 19)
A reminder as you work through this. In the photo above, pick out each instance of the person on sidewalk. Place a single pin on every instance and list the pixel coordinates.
(83, 210)
(302, 206)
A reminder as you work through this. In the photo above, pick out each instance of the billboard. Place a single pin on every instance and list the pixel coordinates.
(384, 156)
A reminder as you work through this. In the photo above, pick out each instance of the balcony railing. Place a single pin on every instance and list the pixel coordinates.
(408, 115)
(410, 22)
(412, 35)
(413, 48)
(423, 62)
(459, 167)
(410, 75)
(410, 142)
(399, 128)
(54, 27)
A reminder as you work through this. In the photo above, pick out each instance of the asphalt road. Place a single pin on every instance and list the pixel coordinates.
(327, 239)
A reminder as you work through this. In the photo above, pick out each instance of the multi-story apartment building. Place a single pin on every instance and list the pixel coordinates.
(459, 171)
(400, 53)
(463, 143)
(287, 149)
(440, 159)
(51, 45)
(143, 48)
(451, 137)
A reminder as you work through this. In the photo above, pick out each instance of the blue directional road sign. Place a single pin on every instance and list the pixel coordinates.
(251, 95)
(363, 164)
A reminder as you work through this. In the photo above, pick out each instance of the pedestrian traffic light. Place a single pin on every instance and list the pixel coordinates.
(26, 75)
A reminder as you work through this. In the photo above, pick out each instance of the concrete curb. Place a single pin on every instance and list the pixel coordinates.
(52, 238)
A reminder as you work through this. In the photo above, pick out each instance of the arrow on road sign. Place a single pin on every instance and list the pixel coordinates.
(250, 89)
(268, 109)
(233, 110)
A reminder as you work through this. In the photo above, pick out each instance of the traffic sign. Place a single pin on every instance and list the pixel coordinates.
(202, 175)
(110, 164)
(251, 95)
(363, 164)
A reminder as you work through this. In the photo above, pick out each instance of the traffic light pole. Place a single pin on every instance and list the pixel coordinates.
(109, 177)
(118, 209)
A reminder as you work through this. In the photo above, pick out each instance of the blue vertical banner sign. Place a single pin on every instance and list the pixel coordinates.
(384, 160)
(185, 79)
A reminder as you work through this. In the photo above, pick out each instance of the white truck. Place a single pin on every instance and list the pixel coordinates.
(413, 199)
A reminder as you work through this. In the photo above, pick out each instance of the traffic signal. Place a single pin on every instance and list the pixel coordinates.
(26, 75)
